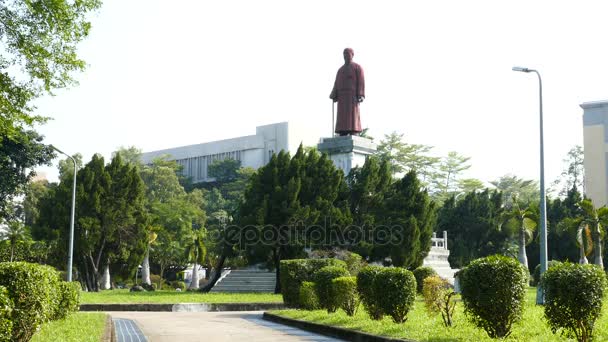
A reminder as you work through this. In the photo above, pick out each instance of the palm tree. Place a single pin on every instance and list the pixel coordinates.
(589, 230)
(16, 232)
(145, 270)
(196, 253)
(522, 223)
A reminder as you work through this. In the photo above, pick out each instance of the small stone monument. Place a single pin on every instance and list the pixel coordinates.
(438, 258)
(347, 151)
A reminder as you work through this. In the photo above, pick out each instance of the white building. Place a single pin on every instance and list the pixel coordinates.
(595, 131)
(251, 150)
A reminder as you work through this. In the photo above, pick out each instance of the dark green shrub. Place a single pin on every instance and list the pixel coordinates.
(155, 279)
(150, 287)
(33, 290)
(296, 271)
(69, 299)
(493, 292)
(536, 273)
(345, 291)
(178, 284)
(395, 291)
(422, 273)
(573, 298)
(323, 281)
(6, 308)
(365, 287)
(354, 263)
(308, 297)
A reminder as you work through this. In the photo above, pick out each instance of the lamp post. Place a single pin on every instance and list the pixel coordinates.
(71, 247)
(540, 298)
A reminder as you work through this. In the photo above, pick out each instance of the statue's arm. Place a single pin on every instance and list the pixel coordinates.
(360, 84)
(334, 91)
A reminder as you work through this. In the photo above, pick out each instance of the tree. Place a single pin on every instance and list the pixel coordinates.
(470, 185)
(131, 154)
(405, 157)
(520, 222)
(196, 252)
(34, 192)
(15, 233)
(18, 157)
(446, 181)
(589, 227)
(573, 174)
(39, 55)
(145, 265)
(526, 191)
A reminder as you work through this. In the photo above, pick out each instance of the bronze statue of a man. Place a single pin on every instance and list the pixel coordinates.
(349, 91)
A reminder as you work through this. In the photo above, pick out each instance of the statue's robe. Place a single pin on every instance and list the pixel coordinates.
(349, 85)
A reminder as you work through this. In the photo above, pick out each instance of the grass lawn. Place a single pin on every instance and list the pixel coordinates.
(421, 327)
(78, 327)
(174, 297)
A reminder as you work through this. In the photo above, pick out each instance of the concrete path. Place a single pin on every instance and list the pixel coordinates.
(214, 326)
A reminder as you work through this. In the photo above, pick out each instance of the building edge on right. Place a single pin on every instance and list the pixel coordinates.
(595, 133)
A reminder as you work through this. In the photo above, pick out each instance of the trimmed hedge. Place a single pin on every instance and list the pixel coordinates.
(536, 273)
(69, 299)
(324, 289)
(345, 291)
(296, 271)
(573, 298)
(6, 308)
(395, 291)
(33, 290)
(493, 292)
(365, 287)
(422, 273)
(308, 297)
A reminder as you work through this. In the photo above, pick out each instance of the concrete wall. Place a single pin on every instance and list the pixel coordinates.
(595, 127)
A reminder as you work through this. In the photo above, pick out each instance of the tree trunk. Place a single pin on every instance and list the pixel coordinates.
(194, 282)
(521, 255)
(277, 263)
(12, 252)
(583, 258)
(105, 279)
(216, 275)
(160, 279)
(597, 240)
(145, 268)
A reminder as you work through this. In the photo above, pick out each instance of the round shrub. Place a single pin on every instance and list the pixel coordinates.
(536, 273)
(33, 290)
(422, 273)
(395, 291)
(296, 271)
(69, 299)
(308, 297)
(178, 284)
(323, 281)
(354, 263)
(573, 298)
(345, 290)
(6, 308)
(365, 287)
(493, 292)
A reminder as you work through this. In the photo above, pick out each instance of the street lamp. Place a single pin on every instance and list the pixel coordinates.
(71, 248)
(540, 298)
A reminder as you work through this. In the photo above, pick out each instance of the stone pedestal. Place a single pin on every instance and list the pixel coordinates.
(438, 258)
(347, 151)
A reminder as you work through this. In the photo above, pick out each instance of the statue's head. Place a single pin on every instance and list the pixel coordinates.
(348, 55)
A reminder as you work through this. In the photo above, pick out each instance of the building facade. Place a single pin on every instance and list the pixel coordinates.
(251, 150)
(595, 131)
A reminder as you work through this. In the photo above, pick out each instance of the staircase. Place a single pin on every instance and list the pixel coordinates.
(248, 280)
(438, 258)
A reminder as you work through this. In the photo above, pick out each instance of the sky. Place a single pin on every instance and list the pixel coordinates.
(164, 74)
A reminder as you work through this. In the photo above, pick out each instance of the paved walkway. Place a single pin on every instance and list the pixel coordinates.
(214, 326)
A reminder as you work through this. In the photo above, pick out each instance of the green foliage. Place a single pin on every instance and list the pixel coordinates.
(345, 290)
(471, 224)
(438, 295)
(6, 309)
(224, 170)
(520, 222)
(354, 263)
(573, 298)
(366, 289)
(422, 273)
(395, 291)
(323, 286)
(177, 284)
(308, 299)
(294, 272)
(526, 191)
(493, 293)
(33, 291)
(69, 299)
(536, 273)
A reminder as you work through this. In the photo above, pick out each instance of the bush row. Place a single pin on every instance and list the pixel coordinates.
(296, 271)
(31, 294)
